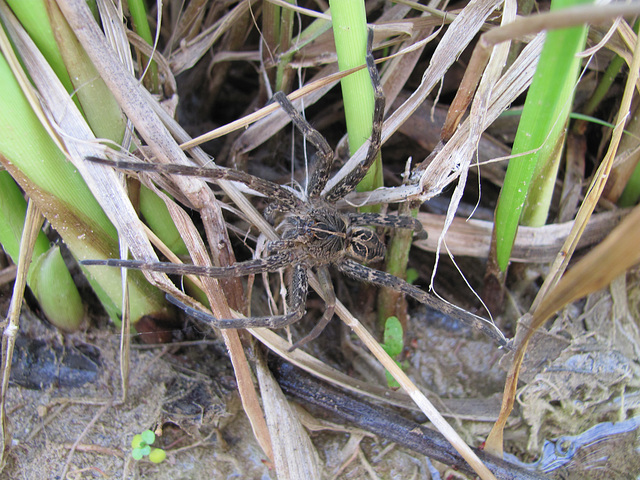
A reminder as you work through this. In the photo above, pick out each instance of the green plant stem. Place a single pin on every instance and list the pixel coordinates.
(609, 76)
(283, 72)
(13, 210)
(629, 145)
(100, 108)
(350, 34)
(33, 17)
(138, 13)
(156, 215)
(270, 34)
(391, 302)
(393, 345)
(58, 297)
(538, 142)
(56, 292)
(308, 35)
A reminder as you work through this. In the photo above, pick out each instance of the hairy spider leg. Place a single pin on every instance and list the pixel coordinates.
(392, 221)
(349, 182)
(272, 263)
(296, 300)
(286, 199)
(329, 297)
(383, 279)
(322, 161)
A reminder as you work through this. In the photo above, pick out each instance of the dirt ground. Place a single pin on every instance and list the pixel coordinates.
(581, 375)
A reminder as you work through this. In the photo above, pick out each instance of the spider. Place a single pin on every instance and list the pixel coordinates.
(314, 233)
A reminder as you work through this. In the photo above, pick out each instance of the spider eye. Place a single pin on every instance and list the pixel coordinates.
(365, 245)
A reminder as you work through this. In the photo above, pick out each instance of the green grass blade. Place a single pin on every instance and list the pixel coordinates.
(33, 17)
(138, 13)
(43, 172)
(530, 176)
(13, 210)
(284, 74)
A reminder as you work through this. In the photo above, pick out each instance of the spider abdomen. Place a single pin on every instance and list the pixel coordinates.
(364, 245)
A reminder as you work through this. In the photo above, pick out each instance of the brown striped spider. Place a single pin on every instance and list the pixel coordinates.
(314, 233)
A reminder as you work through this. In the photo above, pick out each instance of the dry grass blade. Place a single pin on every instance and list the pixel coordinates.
(444, 167)
(611, 258)
(325, 372)
(188, 54)
(265, 128)
(293, 453)
(400, 67)
(32, 224)
(479, 110)
(265, 122)
(533, 244)
(272, 112)
(127, 90)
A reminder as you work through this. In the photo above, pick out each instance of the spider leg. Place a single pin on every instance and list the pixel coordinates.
(271, 263)
(348, 183)
(324, 156)
(275, 246)
(383, 279)
(330, 301)
(393, 221)
(296, 305)
(286, 199)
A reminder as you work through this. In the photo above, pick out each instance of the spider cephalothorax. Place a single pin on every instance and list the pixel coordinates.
(314, 233)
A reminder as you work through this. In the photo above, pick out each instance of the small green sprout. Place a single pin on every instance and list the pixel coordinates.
(412, 275)
(141, 447)
(157, 455)
(393, 345)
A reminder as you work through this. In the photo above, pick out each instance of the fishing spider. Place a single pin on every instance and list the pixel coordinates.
(314, 234)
